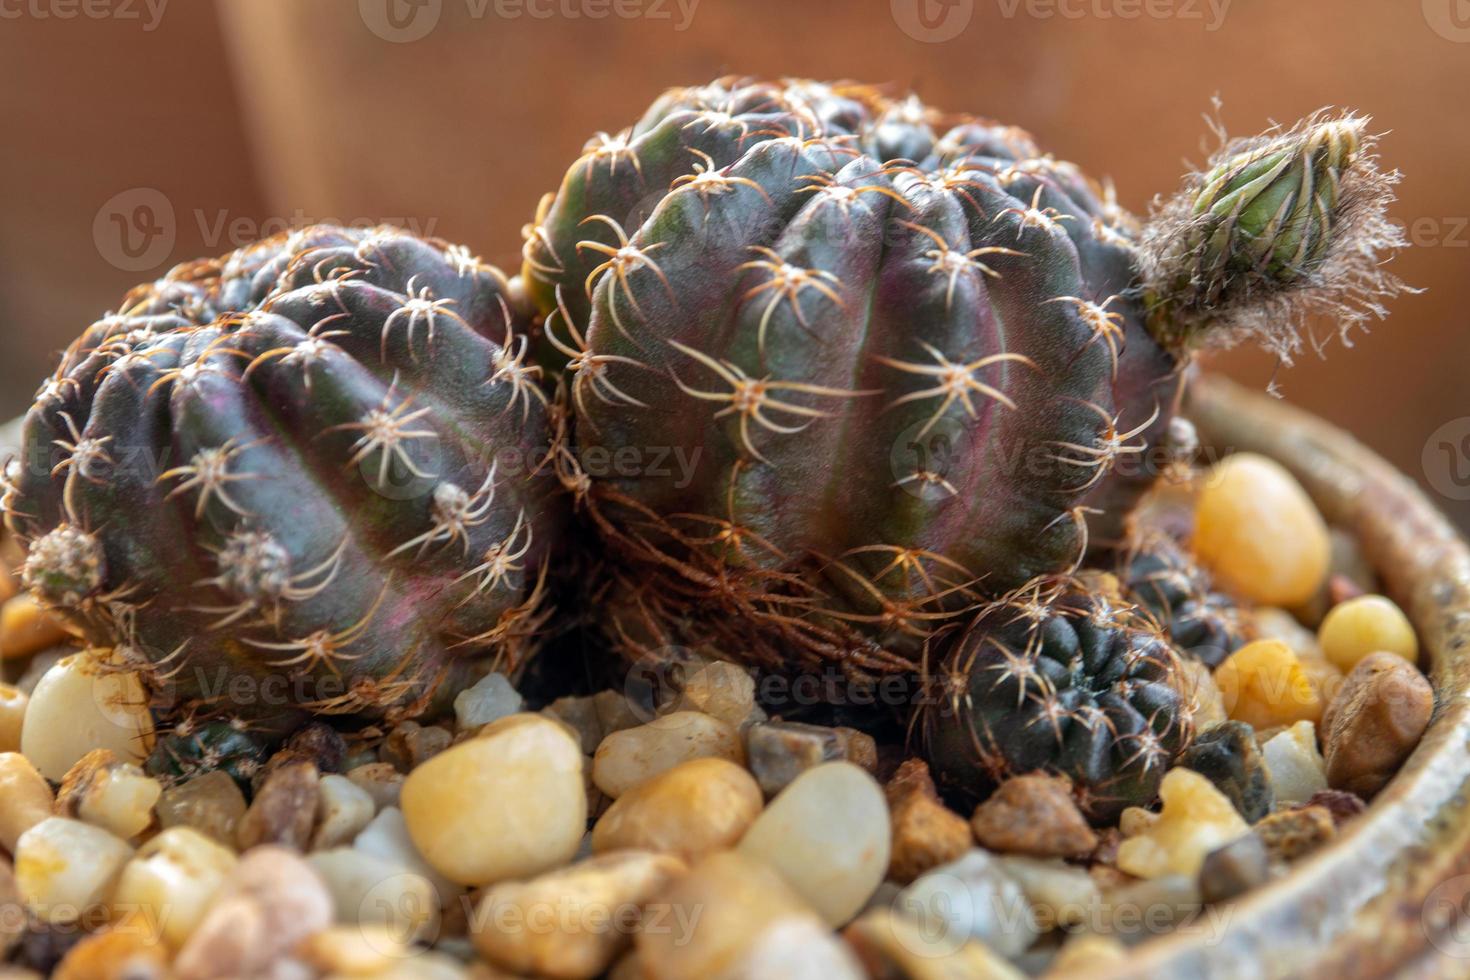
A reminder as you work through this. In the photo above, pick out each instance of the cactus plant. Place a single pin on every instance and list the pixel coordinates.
(1060, 677)
(1159, 575)
(309, 474)
(905, 360)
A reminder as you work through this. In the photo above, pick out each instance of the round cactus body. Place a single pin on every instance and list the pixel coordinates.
(864, 362)
(1060, 679)
(307, 475)
(1160, 575)
(841, 364)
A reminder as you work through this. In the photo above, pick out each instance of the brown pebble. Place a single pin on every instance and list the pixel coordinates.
(1293, 834)
(409, 745)
(779, 751)
(322, 744)
(284, 810)
(1375, 722)
(926, 833)
(859, 748)
(1341, 804)
(1036, 815)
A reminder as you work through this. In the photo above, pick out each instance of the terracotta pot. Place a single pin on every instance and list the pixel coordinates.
(1392, 895)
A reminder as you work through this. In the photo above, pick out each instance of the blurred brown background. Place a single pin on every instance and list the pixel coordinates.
(142, 132)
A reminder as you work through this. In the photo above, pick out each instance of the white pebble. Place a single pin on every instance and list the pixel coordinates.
(627, 758)
(490, 699)
(368, 890)
(120, 799)
(171, 880)
(380, 780)
(1295, 765)
(82, 704)
(972, 898)
(508, 803)
(66, 869)
(723, 690)
(386, 836)
(828, 835)
(797, 949)
(343, 810)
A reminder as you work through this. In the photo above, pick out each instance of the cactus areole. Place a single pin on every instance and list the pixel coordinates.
(842, 366)
(307, 475)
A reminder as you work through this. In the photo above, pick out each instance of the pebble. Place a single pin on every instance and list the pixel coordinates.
(211, 804)
(379, 780)
(1227, 755)
(1375, 723)
(1230, 871)
(1061, 894)
(170, 881)
(723, 690)
(508, 803)
(581, 716)
(1297, 770)
(357, 951)
(66, 869)
(25, 798)
(926, 833)
(1196, 818)
(13, 703)
(1263, 684)
(627, 758)
(693, 809)
(1366, 625)
(319, 742)
(713, 915)
(26, 628)
(891, 945)
(779, 751)
(269, 903)
(615, 713)
(343, 810)
(797, 949)
(387, 837)
(82, 704)
(409, 745)
(1036, 815)
(828, 834)
(108, 793)
(1259, 532)
(1341, 804)
(1144, 909)
(284, 809)
(372, 891)
(972, 898)
(491, 698)
(1086, 952)
(572, 923)
(12, 911)
(1293, 834)
(114, 954)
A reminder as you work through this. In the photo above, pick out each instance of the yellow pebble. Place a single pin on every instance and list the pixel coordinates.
(1363, 625)
(13, 703)
(1195, 820)
(1265, 685)
(1258, 531)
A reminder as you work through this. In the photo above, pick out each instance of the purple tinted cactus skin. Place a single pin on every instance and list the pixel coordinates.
(901, 348)
(301, 476)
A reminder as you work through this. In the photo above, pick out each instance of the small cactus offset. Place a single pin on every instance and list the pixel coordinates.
(1060, 678)
(317, 465)
(910, 359)
(1158, 574)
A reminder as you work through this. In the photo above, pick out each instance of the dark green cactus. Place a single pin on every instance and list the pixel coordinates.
(1058, 678)
(908, 359)
(307, 475)
(1161, 577)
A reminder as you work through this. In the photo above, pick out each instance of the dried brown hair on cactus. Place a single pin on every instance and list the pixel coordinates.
(1277, 229)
